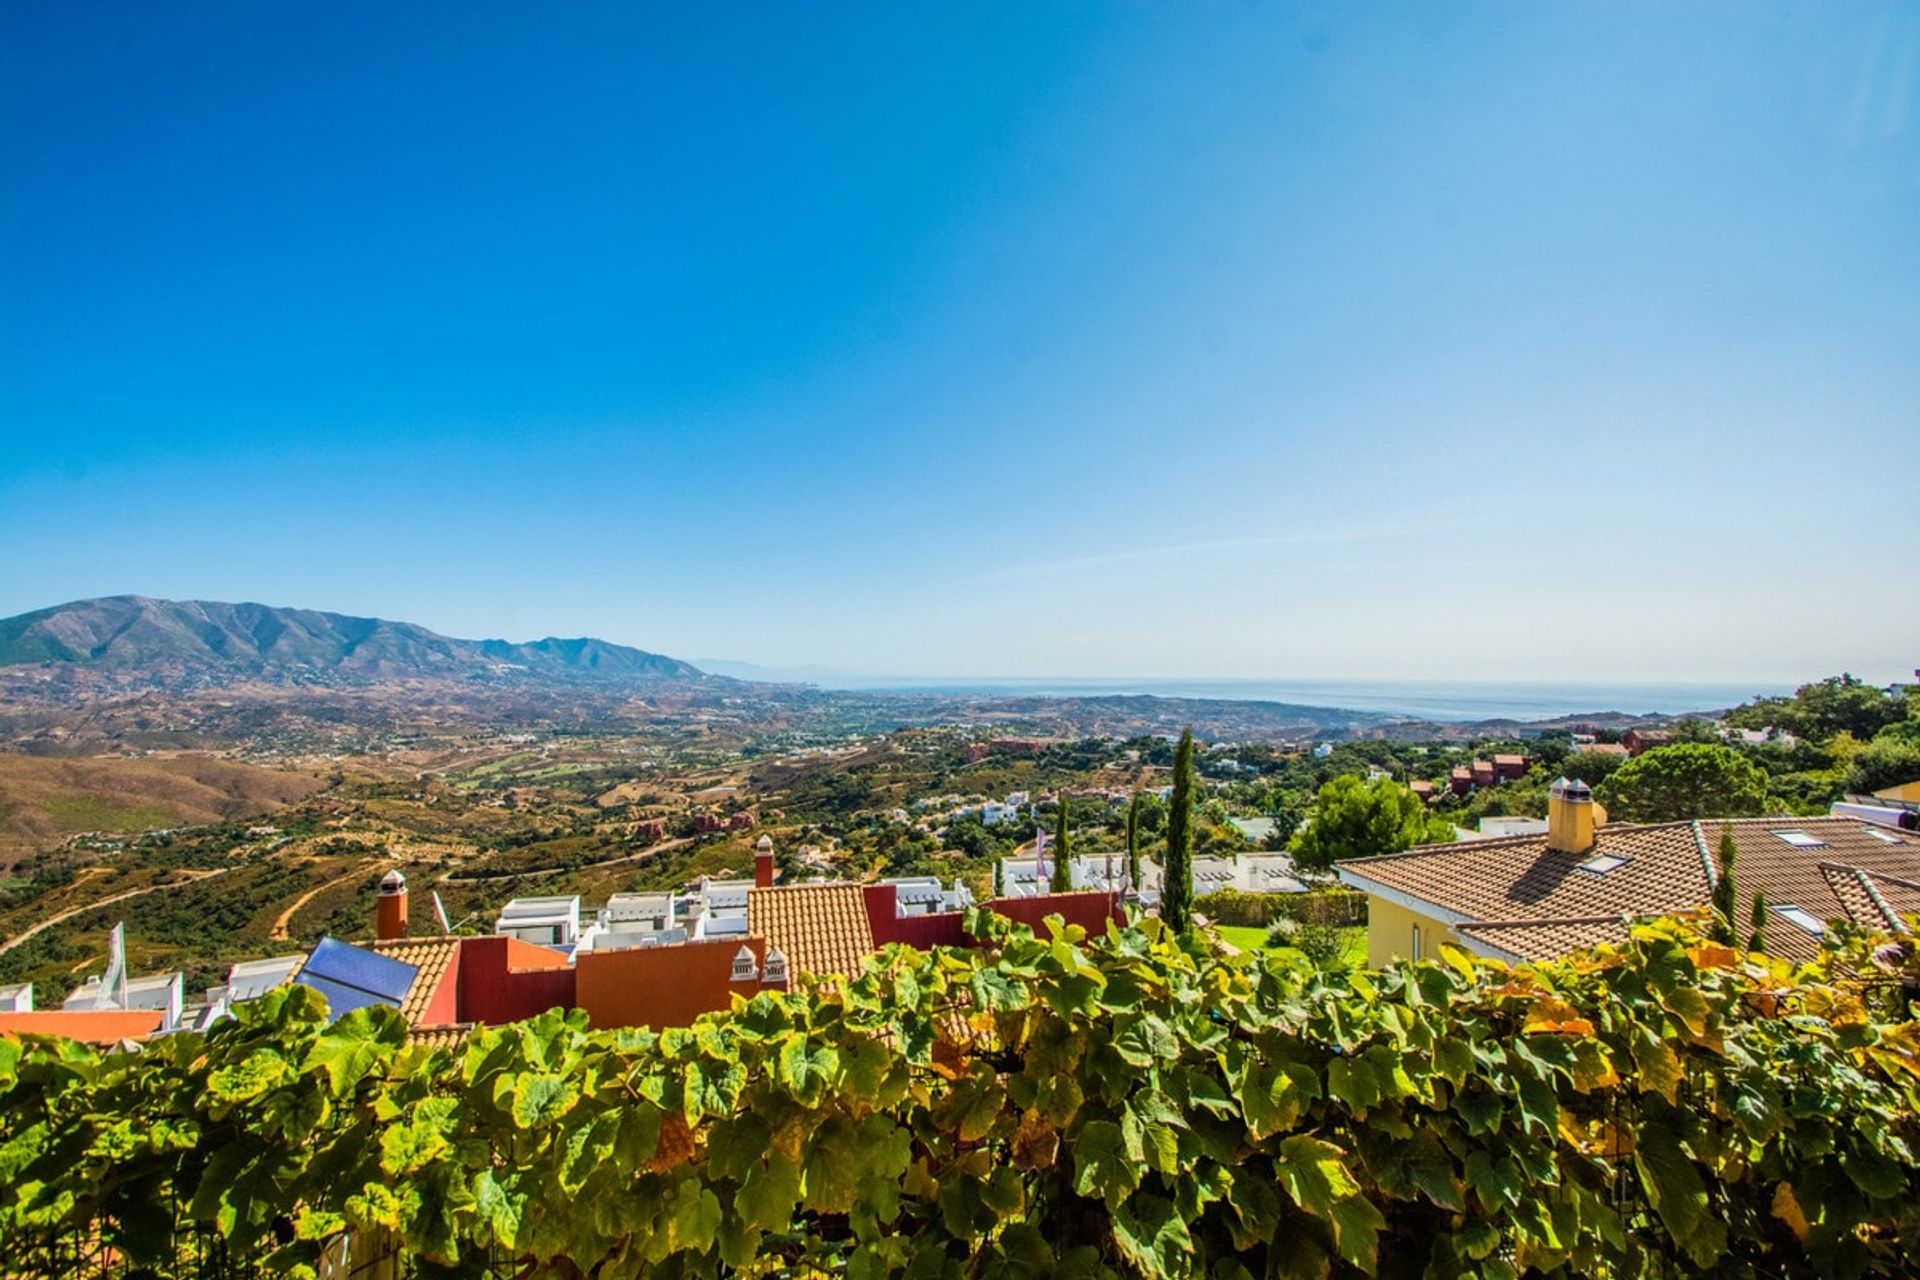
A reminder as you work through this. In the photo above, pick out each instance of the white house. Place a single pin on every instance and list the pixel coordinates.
(993, 813)
(548, 922)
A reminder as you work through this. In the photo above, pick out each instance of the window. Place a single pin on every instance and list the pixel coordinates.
(1416, 942)
(1884, 837)
(1601, 863)
(1802, 917)
(1800, 839)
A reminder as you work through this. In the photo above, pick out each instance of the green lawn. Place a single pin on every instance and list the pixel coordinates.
(1251, 939)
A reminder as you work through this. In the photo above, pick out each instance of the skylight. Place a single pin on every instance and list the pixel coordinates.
(1884, 837)
(1800, 839)
(1601, 863)
(1802, 917)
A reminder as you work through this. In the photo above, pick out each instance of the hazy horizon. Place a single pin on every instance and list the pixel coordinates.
(1399, 342)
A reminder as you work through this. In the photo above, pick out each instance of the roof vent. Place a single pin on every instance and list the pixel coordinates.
(744, 968)
(776, 974)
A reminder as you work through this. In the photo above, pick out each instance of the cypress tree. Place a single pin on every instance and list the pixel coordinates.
(1726, 897)
(1176, 883)
(1062, 878)
(1133, 843)
(1757, 941)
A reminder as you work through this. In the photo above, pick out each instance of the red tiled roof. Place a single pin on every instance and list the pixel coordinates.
(1519, 878)
(1528, 900)
(822, 928)
(1538, 939)
(1878, 902)
(449, 1037)
(431, 957)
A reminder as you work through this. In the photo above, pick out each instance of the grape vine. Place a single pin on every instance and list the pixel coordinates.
(1134, 1104)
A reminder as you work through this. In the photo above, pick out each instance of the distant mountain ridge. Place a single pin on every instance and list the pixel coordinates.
(136, 633)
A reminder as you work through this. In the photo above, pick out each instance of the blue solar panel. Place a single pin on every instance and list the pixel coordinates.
(343, 999)
(351, 966)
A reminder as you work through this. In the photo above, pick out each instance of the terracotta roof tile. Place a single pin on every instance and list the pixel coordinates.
(1519, 878)
(1874, 902)
(822, 928)
(1794, 876)
(1667, 868)
(432, 957)
(1545, 939)
(1855, 898)
(439, 1037)
(1897, 892)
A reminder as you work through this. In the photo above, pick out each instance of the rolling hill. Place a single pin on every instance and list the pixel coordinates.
(43, 801)
(138, 634)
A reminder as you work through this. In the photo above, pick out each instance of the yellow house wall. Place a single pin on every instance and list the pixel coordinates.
(1906, 791)
(1390, 932)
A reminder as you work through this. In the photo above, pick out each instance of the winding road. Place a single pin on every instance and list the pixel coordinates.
(70, 912)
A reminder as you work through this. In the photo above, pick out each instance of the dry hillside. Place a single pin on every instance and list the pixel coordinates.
(43, 800)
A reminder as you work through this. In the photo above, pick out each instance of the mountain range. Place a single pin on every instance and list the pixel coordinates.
(135, 633)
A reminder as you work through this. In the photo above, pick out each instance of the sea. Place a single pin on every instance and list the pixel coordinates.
(1459, 701)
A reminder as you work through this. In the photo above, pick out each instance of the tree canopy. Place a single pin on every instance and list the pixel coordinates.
(1838, 704)
(1176, 881)
(1690, 780)
(1061, 881)
(1354, 818)
(1892, 758)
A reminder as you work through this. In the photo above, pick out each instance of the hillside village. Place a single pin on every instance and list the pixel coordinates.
(756, 864)
(813, 902)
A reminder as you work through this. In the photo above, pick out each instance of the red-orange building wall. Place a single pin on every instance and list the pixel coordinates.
(443, 1010)
(505, 980)
(666, 986)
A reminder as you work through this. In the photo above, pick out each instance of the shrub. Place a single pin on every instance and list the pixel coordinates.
(1337, 906)
(1134, 1104)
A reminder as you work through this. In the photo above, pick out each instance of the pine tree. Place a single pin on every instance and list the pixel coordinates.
(1133, 843)
(1062, 878)
(1176, 883)
(1757, 941)
(1726, 897)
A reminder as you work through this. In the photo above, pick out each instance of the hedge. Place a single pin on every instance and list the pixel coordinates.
(1132, 1104)
(1339, 907)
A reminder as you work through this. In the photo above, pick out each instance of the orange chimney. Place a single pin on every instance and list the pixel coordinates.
(390, 908)
(763, 863)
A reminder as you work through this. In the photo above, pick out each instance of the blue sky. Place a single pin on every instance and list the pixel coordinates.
(1049, 339)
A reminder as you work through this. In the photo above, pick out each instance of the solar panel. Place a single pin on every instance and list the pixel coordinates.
(341, 998)
(352, 966)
